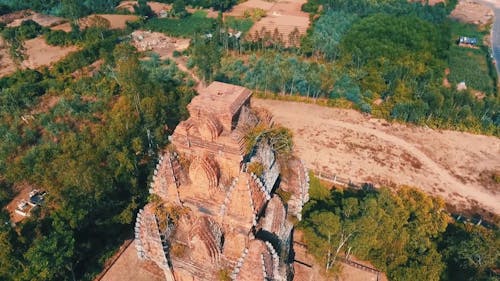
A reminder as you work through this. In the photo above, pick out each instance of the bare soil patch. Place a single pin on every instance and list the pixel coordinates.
(38, 53)
(350, 273)
(7, 65)
(344, 142)
(116, 21)
(128, 267)
(472, 12)
(22, 192)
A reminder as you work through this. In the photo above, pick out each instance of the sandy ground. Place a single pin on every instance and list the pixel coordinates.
(346, 143)
(128, 267)
(116, 22)
(284, 15)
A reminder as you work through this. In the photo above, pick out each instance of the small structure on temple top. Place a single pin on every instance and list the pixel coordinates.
(215, 212)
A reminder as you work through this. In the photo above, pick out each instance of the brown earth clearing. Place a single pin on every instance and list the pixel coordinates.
(38, 53)
(7, 66)
(22, 192)
(116, 21)
(346, 143)
(128, 267)
(468, 11)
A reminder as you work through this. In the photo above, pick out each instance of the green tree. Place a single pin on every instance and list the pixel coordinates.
(142, 8)
(179, 9)
(50, 257)
(206, 55)
(471, 252)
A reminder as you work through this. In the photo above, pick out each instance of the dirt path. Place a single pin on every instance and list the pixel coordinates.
(346, 143)
(444, 176)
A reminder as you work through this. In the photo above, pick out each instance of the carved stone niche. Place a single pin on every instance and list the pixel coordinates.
(204, 173)
(209, 128)
(207, 238)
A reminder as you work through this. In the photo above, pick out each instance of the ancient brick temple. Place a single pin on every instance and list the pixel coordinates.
(211, 218)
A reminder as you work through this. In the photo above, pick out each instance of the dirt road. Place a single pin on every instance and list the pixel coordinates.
(451, 164)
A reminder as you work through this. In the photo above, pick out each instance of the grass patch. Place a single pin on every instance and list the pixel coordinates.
(317, 190)
(470, 65)
(186, 27)
(239, 24)
(199, 14)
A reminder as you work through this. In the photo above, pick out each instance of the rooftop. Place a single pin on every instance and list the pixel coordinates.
(220, 98)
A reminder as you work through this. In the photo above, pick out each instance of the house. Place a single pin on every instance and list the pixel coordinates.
(24, 207)
(467, 41)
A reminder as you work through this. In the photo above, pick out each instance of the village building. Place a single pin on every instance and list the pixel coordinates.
(211, 216)
(470, 41)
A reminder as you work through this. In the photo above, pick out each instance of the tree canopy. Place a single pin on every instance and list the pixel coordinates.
(405, 234)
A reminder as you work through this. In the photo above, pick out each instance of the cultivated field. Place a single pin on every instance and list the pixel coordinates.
(284, 15)
(457, 166)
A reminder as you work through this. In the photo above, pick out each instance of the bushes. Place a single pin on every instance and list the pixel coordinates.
(255, 14)
(242, 25)
(256, 168)
(4, 9)
(59, 38)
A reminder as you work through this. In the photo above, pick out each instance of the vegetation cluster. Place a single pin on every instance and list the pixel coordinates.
(386, 58)
(90, 143)
(406, 234)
